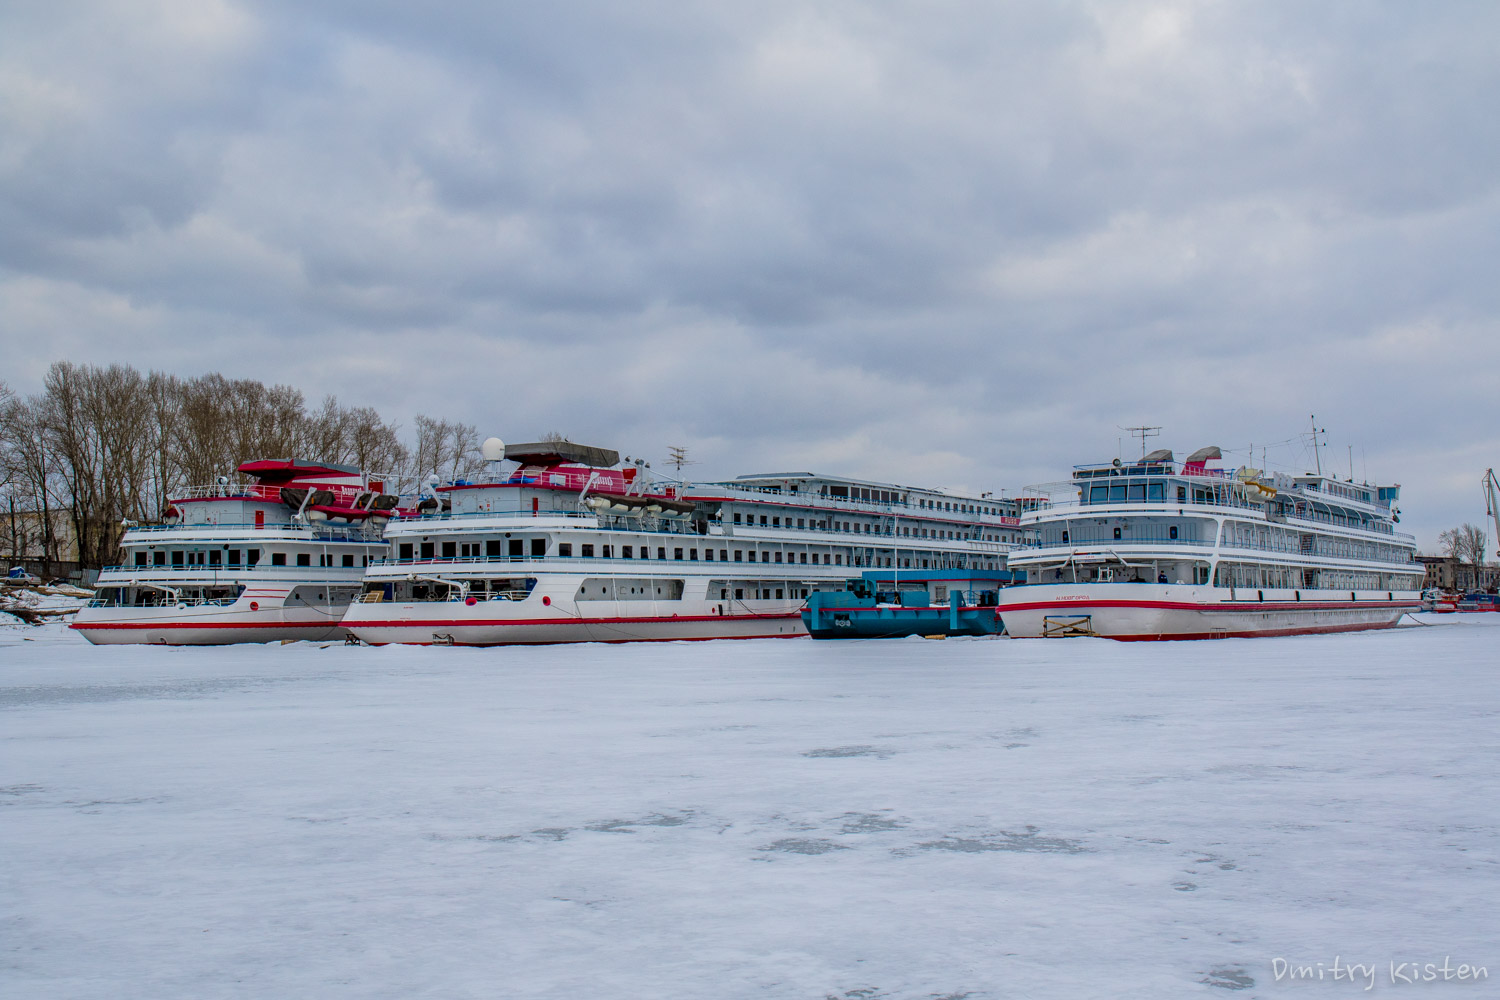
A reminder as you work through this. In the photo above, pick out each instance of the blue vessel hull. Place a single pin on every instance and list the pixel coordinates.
(845, 615)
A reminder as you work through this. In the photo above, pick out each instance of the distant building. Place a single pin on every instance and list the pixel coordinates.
(45, 546)
(1447, 573)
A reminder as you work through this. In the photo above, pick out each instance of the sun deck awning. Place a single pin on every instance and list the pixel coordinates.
(557, 452)
(283, 470)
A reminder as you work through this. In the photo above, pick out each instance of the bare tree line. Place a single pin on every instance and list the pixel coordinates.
(98, 446)
(1467, 545)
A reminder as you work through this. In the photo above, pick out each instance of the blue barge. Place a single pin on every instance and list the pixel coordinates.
(878, 606)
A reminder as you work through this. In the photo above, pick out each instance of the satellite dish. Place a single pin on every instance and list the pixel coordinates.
(493, 449)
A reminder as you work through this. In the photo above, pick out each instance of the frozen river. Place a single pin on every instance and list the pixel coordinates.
(858, 820)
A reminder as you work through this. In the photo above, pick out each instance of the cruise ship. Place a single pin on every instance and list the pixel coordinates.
(1157, 549)
(277, 558)
(565, 543)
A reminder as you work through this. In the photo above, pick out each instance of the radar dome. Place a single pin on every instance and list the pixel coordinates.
(493, 449)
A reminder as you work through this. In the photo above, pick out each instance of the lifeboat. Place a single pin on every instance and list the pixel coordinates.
(619, 503)
(1247, 486)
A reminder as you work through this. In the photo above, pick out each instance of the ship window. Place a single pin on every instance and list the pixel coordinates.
(252, 556)
(586, 551)
(763, 520)
(538, 547)
(278, 558)
(1172, 532)
(775, 522)
(1065, 538)
(708, 555)
(1117, 492)
(738, 555)
(778, 557)
(736, 517)
(304, 559)
(1156, 491)
(739, 593)
(492, 548)
(215, 556)
(449, 550)
(1098, 494)
(723, 555)
(349, 560)
(765, 557)
(839, 560)
(565, 550)
(140, 558)
(234, 557)
(627, 552)
(177, 558)
(661, 553)
(800, 523)
(427, 550)
(1117, 534)
(1137, 491)
(403, 551)
(692, 555)
(804, 557)
(778, 593)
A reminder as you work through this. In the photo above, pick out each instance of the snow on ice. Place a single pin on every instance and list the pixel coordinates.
(770, 818)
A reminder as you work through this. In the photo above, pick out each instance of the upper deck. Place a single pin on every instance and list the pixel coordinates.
(1157, 484)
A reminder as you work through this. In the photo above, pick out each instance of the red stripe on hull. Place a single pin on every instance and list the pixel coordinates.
(500, 622)
(1071, 606)
(612, 642)
(82, 627)
(1253, 633)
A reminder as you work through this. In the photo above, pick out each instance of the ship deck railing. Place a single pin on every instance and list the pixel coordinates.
(344, 495)
(623, 564)
(1165, 507)
(1126, 538)
(268, 568)
(320, 530)
(831, 504)
(186, 602)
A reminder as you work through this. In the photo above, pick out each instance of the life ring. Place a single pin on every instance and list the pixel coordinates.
(254, 605)
(471, 601)
(547, 600)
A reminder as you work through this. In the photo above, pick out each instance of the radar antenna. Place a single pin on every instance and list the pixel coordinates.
(1143, 433)
(677, 457)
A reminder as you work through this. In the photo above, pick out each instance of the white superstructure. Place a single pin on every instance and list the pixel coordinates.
(565, 547)
(1160, 550)
(275, 559)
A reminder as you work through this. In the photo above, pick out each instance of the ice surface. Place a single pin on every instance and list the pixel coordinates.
(770, 818)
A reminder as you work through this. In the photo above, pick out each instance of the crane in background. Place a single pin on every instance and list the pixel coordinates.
(1492, 500)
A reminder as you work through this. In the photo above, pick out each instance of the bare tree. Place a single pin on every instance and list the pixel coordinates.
(447, 450)
(106, 444)
(374, 445)
(1475, 546)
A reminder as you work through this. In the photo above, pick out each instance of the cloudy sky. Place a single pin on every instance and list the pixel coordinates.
(947, 243)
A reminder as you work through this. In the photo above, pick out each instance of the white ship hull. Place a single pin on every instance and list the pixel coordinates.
(1166, 611)
(210, 624)
(500, 622)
